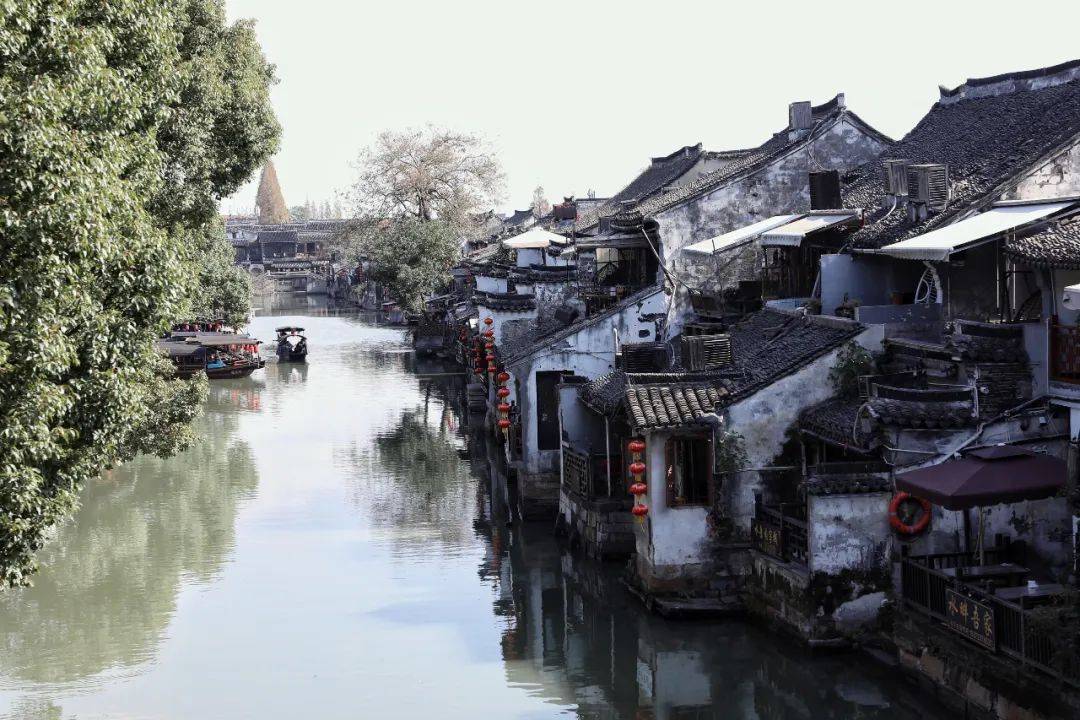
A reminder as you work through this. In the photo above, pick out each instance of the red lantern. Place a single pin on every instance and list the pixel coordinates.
(639, 489)
(640, 511)
(503, 392)
(636, 446)
(504, 424)
(491, 357)
(489, 344)
(492, 368)
(504, 407)
(637, 468)
(489, 333)
(504, 376)
(488, 321)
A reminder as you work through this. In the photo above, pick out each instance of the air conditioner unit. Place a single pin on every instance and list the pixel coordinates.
(929, 185)
(896, 177)
(706, 352)
(650, 357)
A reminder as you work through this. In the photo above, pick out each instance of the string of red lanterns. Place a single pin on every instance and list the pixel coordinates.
(637, 469)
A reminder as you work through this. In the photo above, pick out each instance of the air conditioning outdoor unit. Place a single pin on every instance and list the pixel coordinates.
(896, 177)
(706, 352)
(929, 184)
(650, 357)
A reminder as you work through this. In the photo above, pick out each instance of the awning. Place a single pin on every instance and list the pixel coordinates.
(1071, 299)
(534, 238)
(735, 238)
(988, 476)
(792, 234)
(941, 243)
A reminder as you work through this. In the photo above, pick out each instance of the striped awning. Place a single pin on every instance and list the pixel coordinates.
(793, 233)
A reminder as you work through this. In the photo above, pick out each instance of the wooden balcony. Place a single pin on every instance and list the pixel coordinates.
(780, 531)
(586, 473)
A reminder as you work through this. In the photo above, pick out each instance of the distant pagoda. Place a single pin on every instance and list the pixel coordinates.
(269, 202)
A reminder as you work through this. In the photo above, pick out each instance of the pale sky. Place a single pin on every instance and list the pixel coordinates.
(579, 95)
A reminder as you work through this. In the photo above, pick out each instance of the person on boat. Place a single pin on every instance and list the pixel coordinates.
(215, 362)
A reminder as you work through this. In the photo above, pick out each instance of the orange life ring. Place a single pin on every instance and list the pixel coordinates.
(899, 525)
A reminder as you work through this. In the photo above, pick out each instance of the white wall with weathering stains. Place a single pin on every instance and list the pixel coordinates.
(589, 352)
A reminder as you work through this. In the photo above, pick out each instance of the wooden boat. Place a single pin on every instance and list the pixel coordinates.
(291, 344)
(219, 355)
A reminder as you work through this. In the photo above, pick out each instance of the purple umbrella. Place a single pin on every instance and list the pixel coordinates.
(987, 476)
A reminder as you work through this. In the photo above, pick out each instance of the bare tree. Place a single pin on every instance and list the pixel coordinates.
(540, 205)
(427, 174)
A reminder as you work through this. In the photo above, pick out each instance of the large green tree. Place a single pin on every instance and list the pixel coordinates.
(122, 124)
(408, 257)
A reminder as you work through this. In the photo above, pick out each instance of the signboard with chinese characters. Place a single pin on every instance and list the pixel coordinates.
(973, 620)
(765, 538)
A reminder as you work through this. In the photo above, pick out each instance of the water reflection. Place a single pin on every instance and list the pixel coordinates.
(349, 587)
(108, 583)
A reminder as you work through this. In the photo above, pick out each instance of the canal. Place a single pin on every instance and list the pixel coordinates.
(329, 549)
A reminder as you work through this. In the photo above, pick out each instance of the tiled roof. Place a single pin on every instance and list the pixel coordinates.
(835, 421)
(549, 274)
(674, 404)
(987, 142)
(662, 171)
(769, 344)
(277, 236)
(505, 301)
(750, 161)
(605, 393)
(518, 217)
(1056, 246)
(915, 414)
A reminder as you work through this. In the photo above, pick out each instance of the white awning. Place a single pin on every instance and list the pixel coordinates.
(534, 238)
(941, 243)
(735, 238)
(1071, 299)
(791, 234)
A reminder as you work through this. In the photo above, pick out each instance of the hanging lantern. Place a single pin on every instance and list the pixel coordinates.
(504, 424)
(636, 446)
(637, 468)
(639, 489)
(489, 344)
(489, 333)
(640, 511)
(492, 369)
(488, 321)
(504, 407)
(504, 376)
(503, 392)
(490, 357)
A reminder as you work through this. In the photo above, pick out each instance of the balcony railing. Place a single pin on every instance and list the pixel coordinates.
(974, 612)
(1064, 353)
(780, 531)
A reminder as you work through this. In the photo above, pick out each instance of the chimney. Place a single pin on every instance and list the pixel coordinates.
(799, 115)
(841, 100)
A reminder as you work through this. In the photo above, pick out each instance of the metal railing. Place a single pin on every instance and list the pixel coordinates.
(1064, 352)
(780, 531)
(928, 590)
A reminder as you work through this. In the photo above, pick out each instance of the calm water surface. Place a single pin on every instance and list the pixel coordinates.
(329, 550)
